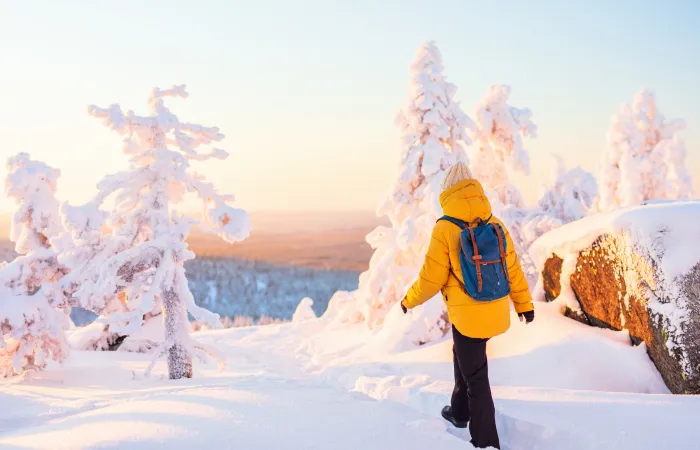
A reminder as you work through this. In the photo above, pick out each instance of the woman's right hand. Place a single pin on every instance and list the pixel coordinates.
(528, 316)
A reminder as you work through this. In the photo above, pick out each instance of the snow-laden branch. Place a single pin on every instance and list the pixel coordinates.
(139, 130)
(32, 184)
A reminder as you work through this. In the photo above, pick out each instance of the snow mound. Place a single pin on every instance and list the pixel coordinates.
(304, 311)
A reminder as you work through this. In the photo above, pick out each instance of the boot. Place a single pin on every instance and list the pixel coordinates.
(447, 415)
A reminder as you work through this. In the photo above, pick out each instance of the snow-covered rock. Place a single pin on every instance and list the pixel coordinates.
(635, 269)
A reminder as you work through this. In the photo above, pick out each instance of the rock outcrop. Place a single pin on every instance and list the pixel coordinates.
(635, 276)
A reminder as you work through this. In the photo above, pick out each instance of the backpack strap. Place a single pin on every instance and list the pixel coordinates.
(479, 221)
(501, 250)
(460, 223)
(476, 258)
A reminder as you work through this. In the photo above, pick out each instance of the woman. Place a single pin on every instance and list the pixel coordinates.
(473, 323)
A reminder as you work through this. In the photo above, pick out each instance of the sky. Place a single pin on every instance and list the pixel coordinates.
(306, 91)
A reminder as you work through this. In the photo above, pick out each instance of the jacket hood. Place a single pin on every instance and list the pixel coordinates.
(466, 201)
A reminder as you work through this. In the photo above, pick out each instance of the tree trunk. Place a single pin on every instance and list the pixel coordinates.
(175, 315)
(174, 312)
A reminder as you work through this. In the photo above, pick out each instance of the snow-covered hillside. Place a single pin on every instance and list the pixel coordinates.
(238, 287)
(318, 385)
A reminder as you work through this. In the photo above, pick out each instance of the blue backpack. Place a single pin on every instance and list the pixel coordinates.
(483, 259)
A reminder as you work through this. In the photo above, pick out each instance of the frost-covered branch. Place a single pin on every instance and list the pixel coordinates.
(32, 184)
(140, 130)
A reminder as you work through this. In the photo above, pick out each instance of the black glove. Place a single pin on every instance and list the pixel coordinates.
(403, 308)
(529, 316)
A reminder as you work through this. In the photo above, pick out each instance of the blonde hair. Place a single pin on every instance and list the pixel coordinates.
(455, 174)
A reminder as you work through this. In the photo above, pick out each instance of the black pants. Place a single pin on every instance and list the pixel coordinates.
(471, 398)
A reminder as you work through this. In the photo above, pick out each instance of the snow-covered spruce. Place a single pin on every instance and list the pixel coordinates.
(570, 197)
(141, 261)
(645, 159)
(31, 323)
(500, 129)
(434, 130)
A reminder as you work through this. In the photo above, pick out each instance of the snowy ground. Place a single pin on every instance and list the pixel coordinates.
(316, 385)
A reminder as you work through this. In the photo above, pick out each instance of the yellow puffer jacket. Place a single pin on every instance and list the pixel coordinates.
(466, 201)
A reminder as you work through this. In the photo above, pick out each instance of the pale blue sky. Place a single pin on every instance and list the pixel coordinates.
(306, 91)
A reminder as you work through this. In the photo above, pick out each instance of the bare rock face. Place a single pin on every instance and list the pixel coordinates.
(620, 284)
(550, 277)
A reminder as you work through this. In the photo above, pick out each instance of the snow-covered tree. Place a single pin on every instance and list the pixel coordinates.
(500, 129)
(679, 181)
(645, 159)
(571, 196)
(31, 325)
(304, 311)
(434, 130)
(141, 260)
